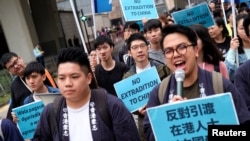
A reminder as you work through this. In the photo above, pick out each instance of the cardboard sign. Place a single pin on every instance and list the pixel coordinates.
(135, 10)
(28, 117)
(134, 91)
(189, 120)
(199, 14)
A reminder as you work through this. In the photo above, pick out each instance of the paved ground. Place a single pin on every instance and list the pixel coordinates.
(4, 109)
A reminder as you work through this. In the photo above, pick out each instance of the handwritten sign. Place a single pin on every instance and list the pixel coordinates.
(189, 120)
(199, 14)
(134, 91)
(28, 117)
(134, 10)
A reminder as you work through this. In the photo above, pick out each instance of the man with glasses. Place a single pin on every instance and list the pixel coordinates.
(180, 49)
(19, 89)
(138, 50)
(129, 28)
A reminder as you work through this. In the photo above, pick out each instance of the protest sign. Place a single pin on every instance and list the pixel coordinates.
(28, 117)
(134, 91)
(189, 120)
(102, 6)
(134, 10)
(199, 14)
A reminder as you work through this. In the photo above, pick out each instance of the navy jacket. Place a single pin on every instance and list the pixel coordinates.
(124, 127)
(10, 131)
(206, 78)
(242, 81)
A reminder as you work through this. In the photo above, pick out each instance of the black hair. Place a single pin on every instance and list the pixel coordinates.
(6, 58)
(246, 23)
(229, 13)
(217, 12)
(152, 24)
(136, 36)
(177, 28)
(101, 40)
(132, 25)
(244, 8)
(245, 20)
(33, 67)
(211, 54)
(78, 56)
(220, 22)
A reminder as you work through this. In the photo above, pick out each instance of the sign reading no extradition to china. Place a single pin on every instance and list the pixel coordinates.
(135, 10)
(199, 14)
(188, 120)
(134, 91)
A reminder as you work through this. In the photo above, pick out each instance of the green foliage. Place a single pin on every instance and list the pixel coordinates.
(4, 99)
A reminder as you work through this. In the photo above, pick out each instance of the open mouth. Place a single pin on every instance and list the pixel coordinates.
(180, 64)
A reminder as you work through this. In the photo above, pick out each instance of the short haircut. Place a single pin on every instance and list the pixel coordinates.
(101, 40)
(177, 28)
(78, 56)
(132, 25)
(7, 57)
(152, 24)
(33, 67)
(136, 36)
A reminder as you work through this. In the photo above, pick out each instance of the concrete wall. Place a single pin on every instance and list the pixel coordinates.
(18, 29)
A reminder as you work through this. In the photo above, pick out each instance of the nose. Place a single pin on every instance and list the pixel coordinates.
(68, 82)
(175, 53)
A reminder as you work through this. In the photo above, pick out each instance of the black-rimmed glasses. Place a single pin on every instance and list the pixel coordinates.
(11, 67)
(180, 49)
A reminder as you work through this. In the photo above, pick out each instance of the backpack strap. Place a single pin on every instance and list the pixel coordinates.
(54, 111)
(100, 98)
(217, 82)
(1, 131)
(163, 88)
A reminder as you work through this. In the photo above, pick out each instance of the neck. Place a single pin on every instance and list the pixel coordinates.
(246, 44)
(191, 78)
(155, 46)
(43, 89)
(108, 65)
(200, 58)
(79, 102)
(220, 39)
(143, 64)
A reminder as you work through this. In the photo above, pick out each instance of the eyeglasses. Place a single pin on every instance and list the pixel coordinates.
(136, 47)
(11, 67)
(180, 49)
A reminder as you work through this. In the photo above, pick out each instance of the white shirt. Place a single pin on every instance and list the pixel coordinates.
(138, 70)
(79, 125)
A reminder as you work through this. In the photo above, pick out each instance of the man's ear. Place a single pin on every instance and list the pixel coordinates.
(44, 77)
(89, 78)
(196, 51)
(129, 53)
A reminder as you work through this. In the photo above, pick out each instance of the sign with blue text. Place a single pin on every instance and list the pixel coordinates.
(189, 120)
(135, 10)
(199, 14)
(28, 117)
(134, 91)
